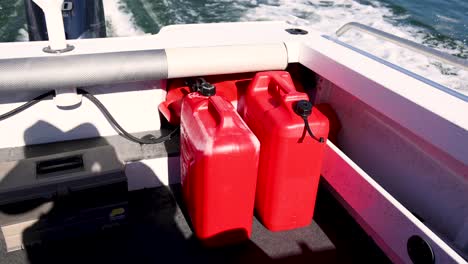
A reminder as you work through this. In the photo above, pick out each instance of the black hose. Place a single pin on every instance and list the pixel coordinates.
(26, 105)
(103, 109)
(307, 126)
(119, 128)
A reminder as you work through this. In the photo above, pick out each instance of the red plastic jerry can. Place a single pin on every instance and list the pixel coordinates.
(290, 159)
(219, 162)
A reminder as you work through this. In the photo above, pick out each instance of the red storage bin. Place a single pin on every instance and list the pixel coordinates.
(219, 162)
(290, 159)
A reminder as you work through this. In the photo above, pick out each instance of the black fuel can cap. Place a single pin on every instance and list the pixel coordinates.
(303, 108)
(207, 89)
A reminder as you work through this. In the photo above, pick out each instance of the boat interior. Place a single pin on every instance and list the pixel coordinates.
(394, 179)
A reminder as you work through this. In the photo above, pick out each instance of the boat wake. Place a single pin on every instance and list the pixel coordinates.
(324, 16)
(328, 16)
(119, 20)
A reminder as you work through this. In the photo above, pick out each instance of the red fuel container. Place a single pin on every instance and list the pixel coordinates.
(219, 162)
(290, 159)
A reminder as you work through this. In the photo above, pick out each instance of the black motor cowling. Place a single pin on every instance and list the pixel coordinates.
(81, 18)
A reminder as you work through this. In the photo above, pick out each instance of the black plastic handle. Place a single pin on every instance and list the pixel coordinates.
(59, 165)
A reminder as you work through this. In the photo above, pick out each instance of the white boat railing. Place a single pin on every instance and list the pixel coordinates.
(430, 52)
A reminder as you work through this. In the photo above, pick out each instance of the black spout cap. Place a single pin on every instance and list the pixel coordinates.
(201, 86)
(303, 108)
(207, 89)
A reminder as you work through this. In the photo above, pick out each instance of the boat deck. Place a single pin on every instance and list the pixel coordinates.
(159, 233)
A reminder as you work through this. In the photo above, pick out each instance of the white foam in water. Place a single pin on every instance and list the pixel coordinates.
(328, 16)
(23, 34)
(121, 21)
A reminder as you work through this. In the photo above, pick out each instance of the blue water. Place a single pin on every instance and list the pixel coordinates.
(443, 18)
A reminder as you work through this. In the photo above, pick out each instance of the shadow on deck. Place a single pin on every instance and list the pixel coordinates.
(157, 232)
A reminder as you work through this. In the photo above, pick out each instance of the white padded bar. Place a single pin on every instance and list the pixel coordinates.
(200, 61)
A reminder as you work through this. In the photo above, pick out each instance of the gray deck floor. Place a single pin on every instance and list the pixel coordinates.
(158, 233)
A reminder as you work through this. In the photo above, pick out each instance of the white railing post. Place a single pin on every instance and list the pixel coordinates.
(53, 15)
(67, 96)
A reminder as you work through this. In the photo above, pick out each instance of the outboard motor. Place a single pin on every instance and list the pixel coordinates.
(81, 18)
